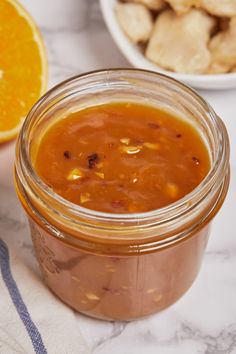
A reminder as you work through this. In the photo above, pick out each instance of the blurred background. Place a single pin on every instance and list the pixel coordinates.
(76, 37)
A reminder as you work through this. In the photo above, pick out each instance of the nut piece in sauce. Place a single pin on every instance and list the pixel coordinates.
(183, 6)
(179, 43)
(75, 174)
(135, 180)
(135, 20)
(155, 5)
(130, 150)
(223, 50)
(125, 141)
(219, 7)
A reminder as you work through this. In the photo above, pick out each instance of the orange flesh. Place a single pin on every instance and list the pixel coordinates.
(21, 65)
(122, 158)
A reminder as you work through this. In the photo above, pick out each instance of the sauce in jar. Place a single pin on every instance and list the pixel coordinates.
(120, 195)
(122, 158)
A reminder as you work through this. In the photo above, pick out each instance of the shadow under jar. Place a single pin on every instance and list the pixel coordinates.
(120, 266)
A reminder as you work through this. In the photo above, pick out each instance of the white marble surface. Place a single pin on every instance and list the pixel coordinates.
(204, 320)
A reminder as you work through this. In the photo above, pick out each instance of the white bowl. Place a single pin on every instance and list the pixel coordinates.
(137, 59)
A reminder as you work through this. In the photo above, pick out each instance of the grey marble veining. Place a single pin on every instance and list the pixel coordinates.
(204, 320)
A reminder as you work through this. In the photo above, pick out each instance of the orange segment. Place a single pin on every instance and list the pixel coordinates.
(23, 67)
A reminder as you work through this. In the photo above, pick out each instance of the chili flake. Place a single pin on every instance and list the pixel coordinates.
(92, 160)
(196, 160)
(153, 125)
(67, 154)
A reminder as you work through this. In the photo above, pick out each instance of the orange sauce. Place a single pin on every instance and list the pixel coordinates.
(119, 158)
(122, 158)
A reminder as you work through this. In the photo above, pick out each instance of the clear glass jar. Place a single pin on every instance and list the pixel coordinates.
(120, 266)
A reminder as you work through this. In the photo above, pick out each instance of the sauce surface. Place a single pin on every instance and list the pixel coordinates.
(122, 158)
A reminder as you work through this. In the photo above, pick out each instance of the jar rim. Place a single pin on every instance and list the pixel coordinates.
(215, 175)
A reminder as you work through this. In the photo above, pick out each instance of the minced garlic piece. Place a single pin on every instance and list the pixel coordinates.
(84, 197)
(151, 291)
(100, 174)
(157, 298)
(92, 296)
(75, 174)
(152, 146)
(172, 190)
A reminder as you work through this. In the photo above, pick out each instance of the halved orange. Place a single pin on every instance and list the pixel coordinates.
(23, 67)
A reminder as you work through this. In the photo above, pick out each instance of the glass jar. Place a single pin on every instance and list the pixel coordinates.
(120, 266)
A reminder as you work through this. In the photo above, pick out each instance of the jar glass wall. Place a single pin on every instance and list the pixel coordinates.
(120, 266)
